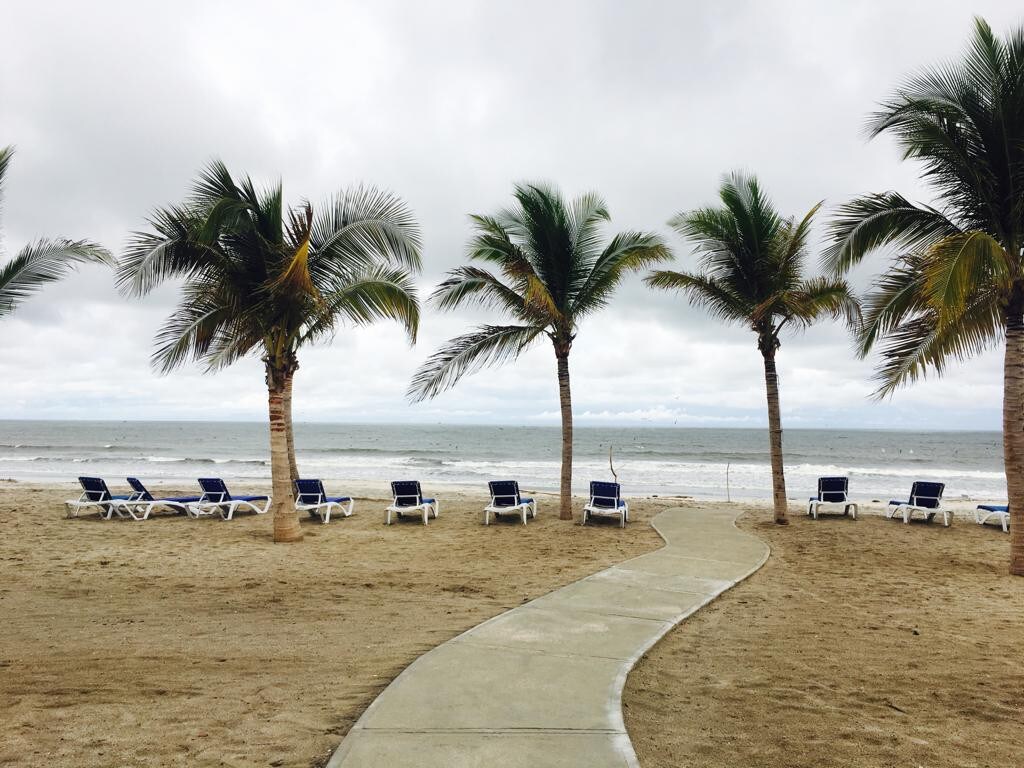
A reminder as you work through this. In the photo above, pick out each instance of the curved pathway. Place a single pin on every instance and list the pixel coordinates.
(541, 685)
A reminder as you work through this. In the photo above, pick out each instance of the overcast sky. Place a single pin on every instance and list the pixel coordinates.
(114, 107)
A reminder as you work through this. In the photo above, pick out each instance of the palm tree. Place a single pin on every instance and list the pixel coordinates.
(752, 272)
(262, 280)
(957, 284)
(554, 269)
(41, 262)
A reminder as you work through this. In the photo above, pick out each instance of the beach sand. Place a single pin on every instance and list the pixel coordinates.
(866, 644)
(176, 642)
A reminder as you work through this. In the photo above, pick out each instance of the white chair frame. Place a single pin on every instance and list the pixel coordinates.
(591, 510)
(907, 510)
(139, 509)
(523, 509)
(425, 508)
(322, 509)
(105, 509)
(849, 507)
(982, 516)
(226, 508)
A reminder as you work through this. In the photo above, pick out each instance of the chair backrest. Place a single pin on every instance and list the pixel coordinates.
(407, 493)
(605, 494)
(833, 488)
(504, 493)
(94, 489)
(214, 489)
(309, 491)
(141, 493)
(928, 495)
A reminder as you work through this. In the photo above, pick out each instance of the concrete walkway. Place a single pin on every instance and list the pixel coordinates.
(541, 685)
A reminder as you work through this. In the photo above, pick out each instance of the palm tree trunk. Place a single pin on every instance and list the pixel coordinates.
(293, 467)
(565, 401)
(771, 383)
(1013, 425)
(286, 519)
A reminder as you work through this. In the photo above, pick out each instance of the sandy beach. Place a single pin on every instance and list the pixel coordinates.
(176, 642)
(179, 642)
(867, 644)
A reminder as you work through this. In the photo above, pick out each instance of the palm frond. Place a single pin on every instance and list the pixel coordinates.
(823, 297)
(385, 293)
(627, 252)
(263, 279)
(702, 291)
(171, 249)
(465, 284)
(896, 295)
(487, 345)
(925, 342)
(295, 278)
(42, 262)
(792, 244)
(586, 215)
(874, 221)
(189, 332)
(493, 242)
(955, 266)
(5, 160)
(362, 228)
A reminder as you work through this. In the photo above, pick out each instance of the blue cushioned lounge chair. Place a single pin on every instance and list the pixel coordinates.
(311, 497)
(606, 501)
(506, 500)
(96, 497)
(216, 498)
(409, 499)
(1001, 512)
(832, 492)
(925, 498)
(142, 503)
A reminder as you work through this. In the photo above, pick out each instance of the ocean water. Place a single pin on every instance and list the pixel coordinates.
(688, 461)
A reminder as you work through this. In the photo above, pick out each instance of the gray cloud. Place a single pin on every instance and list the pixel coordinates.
(114, 108)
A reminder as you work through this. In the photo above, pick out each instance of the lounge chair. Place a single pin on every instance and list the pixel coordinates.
(1001, 512)
(142, 503)
(216, 498)
(506, 500)
(409, 498)
(606, 501)
(311, 497)
(96, 497)
(925, 498)
(832, 492)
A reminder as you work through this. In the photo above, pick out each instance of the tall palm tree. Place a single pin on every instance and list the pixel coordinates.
(262, 280)
(752, 272)
(553, 269)
(41, 262)
(957, 284)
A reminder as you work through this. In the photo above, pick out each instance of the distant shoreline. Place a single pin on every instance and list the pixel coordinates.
(503, 425)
